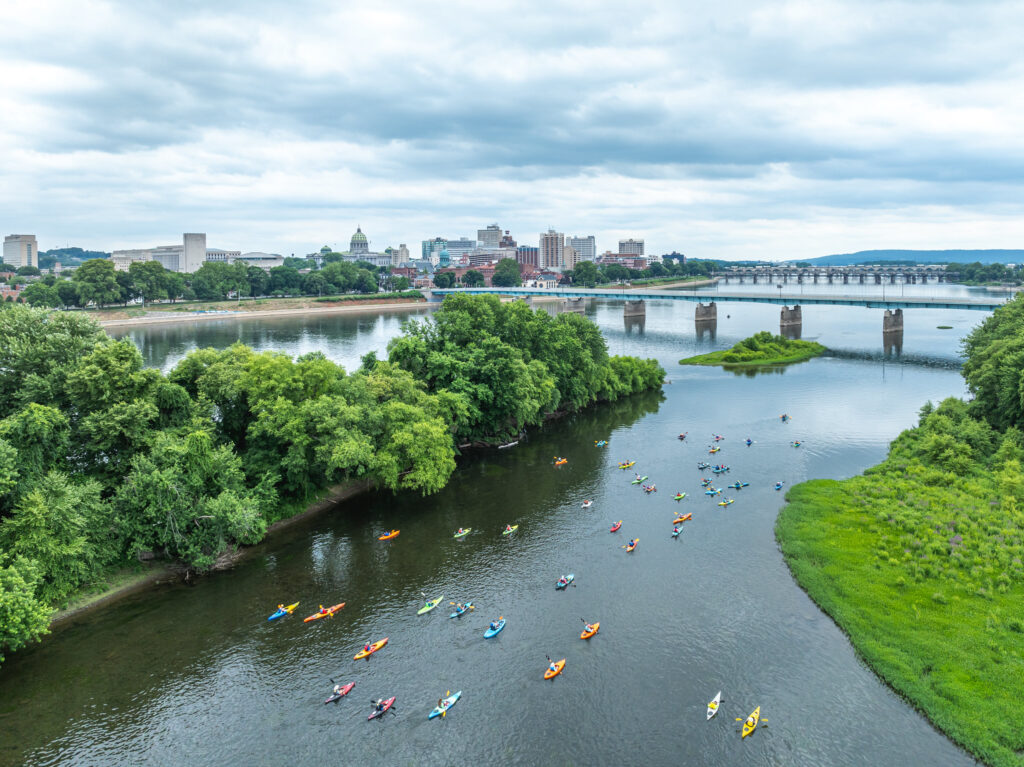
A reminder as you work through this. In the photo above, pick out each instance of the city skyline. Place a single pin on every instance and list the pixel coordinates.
(744, 131)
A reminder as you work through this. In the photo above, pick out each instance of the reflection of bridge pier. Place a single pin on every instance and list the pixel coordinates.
(892, 332)
(636, 324)
(791, 322)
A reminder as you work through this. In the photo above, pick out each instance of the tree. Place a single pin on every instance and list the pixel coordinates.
(400, 283)
(585, 273)
(444, 280)
(473, 279)
(366, 281)
(39, 294)
(259, 281)
(126, 287)
(174, 284)
(506, 274)
(150, 279)
(28, 271)
(97, 283)
(23, 617)
(285, 279)
(8, 267)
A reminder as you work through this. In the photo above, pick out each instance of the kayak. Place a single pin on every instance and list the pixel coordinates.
(778, 485)
(509, 532)
(341, 693)
(703, 465)
(712, 491)
(638, 480)
(446, 704)
(684, 518)
(720, 470)
(650, 489)
(430, 605)
(738, 485)
(602, 443)
(387, 704)
(587, 504)
(676, 531)
(630, 548)
(679, 496)
(587, 634)
(616, 526)
(750, 723)
(458, 612)
(627, 465)
(388, 536)
(330, 611)
(281, 613)
(464, 533)
(559, 665)
(727, 501)
(568, 579)
(364, 653)
(561, 461)
(495, 631)
(713, 705)
(714, 450)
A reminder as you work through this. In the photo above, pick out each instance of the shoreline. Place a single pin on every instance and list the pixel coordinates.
(352, 307)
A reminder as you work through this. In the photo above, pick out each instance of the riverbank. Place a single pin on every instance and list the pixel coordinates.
(761, 349)
(918, 561)
(228, 310)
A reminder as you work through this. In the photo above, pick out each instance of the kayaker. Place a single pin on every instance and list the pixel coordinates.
(337, 689)
(366, 648)
(553, 667)
(494, 625)
(508, 528)
(562, 580)
(379, 705)
(589, 629)
(281, 608)
(675, 530)
(458, 607)
(440, 702)
(749, 442)
(323, 610)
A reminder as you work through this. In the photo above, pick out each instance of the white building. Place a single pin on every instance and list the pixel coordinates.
(460, 247)
(489, 238)
(552, 246)
(570, 257)
(265, 261)
(585, 246)
(631, 247)
(187, 257)
(21, 250)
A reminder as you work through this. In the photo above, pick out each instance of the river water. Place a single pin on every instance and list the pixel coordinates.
(196, 675)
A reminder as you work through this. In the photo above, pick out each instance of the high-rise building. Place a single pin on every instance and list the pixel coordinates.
(631, 247)
(193, 253)
(433, 246)
(585, 246)
(527, 255)
(507, 241)
(460, 247)
(399, 255)
(551, 246)
(21, 250)
(187, 257)
(570, 257)
(489, 238)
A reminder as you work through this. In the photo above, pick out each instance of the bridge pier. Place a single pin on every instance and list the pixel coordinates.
(791, 322)
(634, 309)
(892, 321)
(892, 279)
(706, 313)
(574, 305)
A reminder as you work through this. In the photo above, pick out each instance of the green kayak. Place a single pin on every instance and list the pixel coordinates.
(510, 530)
(638, 481)
(464, 533)
(430, 605)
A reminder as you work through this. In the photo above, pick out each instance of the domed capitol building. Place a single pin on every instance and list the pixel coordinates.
(359, 250)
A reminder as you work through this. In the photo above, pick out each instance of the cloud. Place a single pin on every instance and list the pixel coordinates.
(777, 130)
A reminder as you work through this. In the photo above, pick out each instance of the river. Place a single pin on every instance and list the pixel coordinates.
(196, 675)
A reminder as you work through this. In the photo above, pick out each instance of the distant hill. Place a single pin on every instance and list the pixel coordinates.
(920, 257)
(68, 256)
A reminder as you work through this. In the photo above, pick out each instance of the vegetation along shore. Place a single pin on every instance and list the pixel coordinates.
(760, 349)
(104, 462)
(921, 559)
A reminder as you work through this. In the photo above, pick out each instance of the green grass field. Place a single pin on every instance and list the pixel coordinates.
(922, 569)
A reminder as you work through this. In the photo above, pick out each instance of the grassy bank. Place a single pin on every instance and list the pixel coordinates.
(920, 562)
(760, 349)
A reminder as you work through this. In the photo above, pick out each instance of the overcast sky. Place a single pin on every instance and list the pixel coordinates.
(723, 130)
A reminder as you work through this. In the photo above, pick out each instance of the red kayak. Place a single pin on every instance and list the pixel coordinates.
(616, 526)
(341, 693)
(387, 704)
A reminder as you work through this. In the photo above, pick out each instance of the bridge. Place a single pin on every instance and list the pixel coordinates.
(706, 314)
(862, 274)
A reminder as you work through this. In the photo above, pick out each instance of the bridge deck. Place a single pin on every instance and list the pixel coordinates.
(780, 298)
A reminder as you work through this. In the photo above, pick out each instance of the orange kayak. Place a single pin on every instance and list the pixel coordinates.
(364, 653)
(559, 665)
(587, 634)
(388, 536)
(330, 611)
(684, 518)
(630, 548)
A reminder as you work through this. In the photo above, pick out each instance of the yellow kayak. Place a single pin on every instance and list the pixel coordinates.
(750, 723)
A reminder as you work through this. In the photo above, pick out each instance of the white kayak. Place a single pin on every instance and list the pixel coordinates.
(713, 705)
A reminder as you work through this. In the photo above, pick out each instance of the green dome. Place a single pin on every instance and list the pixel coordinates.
(359, 236)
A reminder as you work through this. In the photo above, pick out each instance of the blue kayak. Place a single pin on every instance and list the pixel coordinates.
(458, 612)
(494, 632)
(568, 579)
(447, 703)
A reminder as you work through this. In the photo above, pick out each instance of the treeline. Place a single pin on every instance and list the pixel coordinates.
(589, 274)
(977, 273)
(96, 282)
(103, 461)
(921, 559)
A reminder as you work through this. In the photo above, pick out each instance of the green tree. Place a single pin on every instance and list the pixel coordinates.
(67, 292)
(506, 274)
(174, 284)
(126, 287)
(285, 279)
(473, 279)
(400, 283)
(96, 281)
(39, 294)
(314, 284)
(23, 617)
(585, 273)
(150, 279)
(259, 281)
(28, 271)
(444, 280)
(41, 434)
